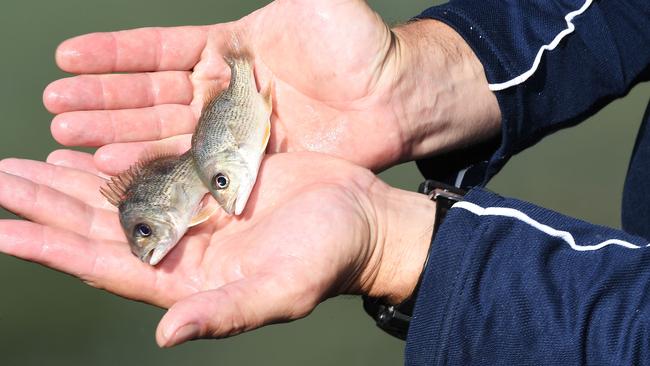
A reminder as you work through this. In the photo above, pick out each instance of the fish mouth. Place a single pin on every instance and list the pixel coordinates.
(242, 198)
(229, 207)
(158, 254)
(146, 256)
(154, 255)
(237, 205)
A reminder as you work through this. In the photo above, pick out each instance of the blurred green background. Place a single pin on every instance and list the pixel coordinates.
(51, 318)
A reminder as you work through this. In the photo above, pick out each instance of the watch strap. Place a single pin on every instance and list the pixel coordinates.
(395, 319)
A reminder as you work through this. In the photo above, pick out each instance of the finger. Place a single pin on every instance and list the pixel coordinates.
(75, 160)
(232, 309)
(97, 128)
(101, 264)
(144, 49)
(44, 205)
(55, 248)
(118, 91)
(72, 182)
(115, 158)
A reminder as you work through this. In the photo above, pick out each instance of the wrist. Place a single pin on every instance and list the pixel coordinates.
(441, 95)
(404, 228)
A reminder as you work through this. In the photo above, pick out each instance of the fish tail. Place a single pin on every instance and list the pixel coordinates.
(237, 52)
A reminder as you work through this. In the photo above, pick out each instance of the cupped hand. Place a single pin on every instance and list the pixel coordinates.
(333, 64)
(309, 233)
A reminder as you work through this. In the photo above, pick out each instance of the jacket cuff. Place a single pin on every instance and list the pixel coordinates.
(443, 280)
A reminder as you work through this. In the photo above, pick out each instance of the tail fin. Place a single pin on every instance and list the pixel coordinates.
(240, 60)
(237, 52)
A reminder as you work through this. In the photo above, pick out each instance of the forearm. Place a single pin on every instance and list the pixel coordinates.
(441, 94)
(551, 64)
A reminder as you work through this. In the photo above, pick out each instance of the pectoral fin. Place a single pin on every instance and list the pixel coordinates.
(267, 96)
(267, 135)
(207, 208)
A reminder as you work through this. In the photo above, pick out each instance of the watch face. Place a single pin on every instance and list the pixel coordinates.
(429, 186)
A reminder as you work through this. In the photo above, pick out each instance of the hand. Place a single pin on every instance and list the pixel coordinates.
(345, 84)
(315, 227)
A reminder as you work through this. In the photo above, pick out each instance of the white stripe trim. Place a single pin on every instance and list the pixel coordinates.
(564, 235)
(550, 47)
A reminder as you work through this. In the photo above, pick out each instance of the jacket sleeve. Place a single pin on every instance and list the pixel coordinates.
(511, 283)
(551, 64)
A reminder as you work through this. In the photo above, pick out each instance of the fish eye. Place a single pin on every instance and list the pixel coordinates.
(220, 181)
(142, 230)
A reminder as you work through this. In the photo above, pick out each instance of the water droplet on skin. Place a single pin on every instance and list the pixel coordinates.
(324, 15)
(326, 140)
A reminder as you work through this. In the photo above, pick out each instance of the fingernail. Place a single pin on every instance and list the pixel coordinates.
(183, 334)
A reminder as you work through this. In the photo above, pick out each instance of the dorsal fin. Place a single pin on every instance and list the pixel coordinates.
(117, 188)
(154, 154)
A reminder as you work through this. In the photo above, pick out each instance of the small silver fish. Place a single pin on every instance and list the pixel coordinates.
(158, 200)
(232, 135)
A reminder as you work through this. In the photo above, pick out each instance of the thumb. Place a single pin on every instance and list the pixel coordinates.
(234, 308)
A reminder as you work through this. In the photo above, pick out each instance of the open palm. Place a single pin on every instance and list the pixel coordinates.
(331, 62)
(302, 234)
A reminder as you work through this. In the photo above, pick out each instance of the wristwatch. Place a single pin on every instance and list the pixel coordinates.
(395, 319)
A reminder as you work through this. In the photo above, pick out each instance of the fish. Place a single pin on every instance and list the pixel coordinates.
(158, 199)
(232, 133)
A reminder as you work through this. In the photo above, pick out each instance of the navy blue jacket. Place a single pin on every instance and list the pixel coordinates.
(511, 283)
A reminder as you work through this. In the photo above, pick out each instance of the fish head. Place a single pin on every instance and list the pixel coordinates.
(152, 231)
(231, 182)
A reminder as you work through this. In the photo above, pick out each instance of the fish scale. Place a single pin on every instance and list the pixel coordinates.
(231, 136)
(219, 127)
(158, 199)
(156, 180)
